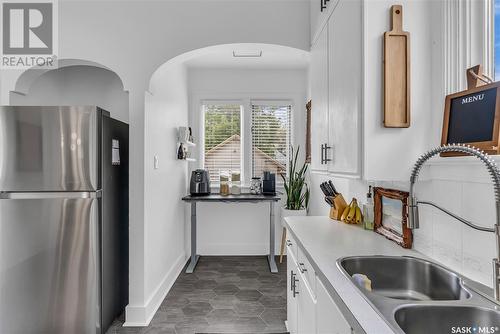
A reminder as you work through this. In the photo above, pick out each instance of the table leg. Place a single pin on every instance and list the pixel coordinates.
(271, 257)
(194, 256)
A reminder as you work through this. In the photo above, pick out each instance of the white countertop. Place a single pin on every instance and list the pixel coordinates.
(325, 241)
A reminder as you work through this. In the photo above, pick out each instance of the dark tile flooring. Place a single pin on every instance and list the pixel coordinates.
(226, 294)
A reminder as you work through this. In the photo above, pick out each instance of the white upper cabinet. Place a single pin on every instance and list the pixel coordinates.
(336, 92)
(319, 98)
(344, 88)
(320, 16)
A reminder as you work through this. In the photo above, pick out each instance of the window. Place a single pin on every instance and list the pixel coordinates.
(250, 140)
(222, 142)
(270, 138)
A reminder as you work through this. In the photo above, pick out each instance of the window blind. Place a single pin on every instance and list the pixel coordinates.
(270, 138)
(222, 138)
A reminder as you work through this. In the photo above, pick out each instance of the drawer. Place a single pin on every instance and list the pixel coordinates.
(306, 269)
(291, 245)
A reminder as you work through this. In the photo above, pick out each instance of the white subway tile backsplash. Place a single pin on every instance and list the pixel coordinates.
(478, 203)
(424, 236)
(478, 253)
(466, 191)
(447, 194)
(447, 242)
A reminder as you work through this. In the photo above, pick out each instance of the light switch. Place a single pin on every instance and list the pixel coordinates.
(156, 162)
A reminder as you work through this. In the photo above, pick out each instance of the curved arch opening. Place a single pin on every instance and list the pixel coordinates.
(272, 56)
(74, 82)
(173, 99)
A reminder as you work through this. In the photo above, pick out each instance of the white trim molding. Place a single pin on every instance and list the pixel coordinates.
(141, 315)
(468, 40)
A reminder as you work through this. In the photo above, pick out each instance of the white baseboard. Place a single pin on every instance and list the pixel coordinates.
(141, 316)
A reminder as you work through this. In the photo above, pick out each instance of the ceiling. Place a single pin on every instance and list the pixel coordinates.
(272, 58)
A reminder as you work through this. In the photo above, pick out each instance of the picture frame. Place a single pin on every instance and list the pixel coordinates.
(474, 94)
(391, 216)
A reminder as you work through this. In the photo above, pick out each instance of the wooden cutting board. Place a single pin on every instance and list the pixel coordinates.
(397, 73)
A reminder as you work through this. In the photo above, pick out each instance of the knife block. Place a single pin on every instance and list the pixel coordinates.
(338, 208)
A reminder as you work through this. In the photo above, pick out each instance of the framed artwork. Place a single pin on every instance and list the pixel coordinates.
(391, 215)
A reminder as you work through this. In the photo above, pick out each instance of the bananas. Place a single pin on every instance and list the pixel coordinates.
(352, 213)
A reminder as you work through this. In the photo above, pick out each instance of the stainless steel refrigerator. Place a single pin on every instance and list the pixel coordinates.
(63, 219)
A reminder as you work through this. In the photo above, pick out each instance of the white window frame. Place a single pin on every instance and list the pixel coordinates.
(246, 131)
(202, 130)
(290, 140)
(468, 40)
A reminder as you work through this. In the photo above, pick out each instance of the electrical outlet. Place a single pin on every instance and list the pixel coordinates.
(156, 163)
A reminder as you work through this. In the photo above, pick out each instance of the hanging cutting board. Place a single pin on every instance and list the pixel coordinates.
(397, 73)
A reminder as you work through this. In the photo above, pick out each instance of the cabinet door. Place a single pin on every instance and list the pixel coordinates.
(344, 101)
(306, 308)
(291, 309)
(329, 319)
(319, 98)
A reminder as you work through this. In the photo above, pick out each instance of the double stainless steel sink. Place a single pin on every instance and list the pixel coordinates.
(418, 296)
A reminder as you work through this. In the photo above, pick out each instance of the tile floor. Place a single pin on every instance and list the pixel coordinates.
(226, 294)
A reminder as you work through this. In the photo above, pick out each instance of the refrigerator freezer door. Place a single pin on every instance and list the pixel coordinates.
(49, 148)
(49, 265)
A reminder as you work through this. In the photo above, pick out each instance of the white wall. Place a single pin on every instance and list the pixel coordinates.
(166, 109)
(243, 229)
(389, 153)
(133, 38)
(77, 85)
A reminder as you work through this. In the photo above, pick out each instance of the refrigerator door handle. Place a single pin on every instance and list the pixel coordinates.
(48, 195)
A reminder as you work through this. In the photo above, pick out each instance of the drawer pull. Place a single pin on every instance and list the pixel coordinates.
(302, 267)
(295, 292)
(288, 243)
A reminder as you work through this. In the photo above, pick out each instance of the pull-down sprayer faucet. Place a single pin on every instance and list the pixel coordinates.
(413, 220)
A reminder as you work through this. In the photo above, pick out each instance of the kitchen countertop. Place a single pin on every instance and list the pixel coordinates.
(325, 241)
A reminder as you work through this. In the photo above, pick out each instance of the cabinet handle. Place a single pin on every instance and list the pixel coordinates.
(288, 243)
(292, 278)
(302, 267)
(295, 292)
(322, 154)
(326, 159)
(322, 5)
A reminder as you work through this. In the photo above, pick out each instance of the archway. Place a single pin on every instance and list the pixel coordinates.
(167, 105)
(74, 82)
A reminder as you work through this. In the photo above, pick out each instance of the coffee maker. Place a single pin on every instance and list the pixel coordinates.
(269, 184)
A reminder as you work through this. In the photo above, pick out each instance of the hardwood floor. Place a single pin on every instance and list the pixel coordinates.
(226, 294)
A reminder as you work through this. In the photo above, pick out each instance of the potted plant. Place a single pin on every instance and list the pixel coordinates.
(296, 188)
(297, 194)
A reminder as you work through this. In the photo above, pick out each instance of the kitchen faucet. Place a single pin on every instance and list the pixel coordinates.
(413, 221)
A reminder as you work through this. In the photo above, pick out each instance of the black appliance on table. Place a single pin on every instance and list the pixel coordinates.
(200, 183)
(269, 184)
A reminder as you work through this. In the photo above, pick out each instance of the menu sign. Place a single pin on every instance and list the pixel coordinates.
(472, 117)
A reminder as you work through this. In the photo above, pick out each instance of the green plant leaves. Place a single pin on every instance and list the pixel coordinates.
(296, 188)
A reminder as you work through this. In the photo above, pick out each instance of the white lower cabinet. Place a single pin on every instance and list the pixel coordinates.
(310, 311)
(291, 310)
(329, 319)
(306, 307)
